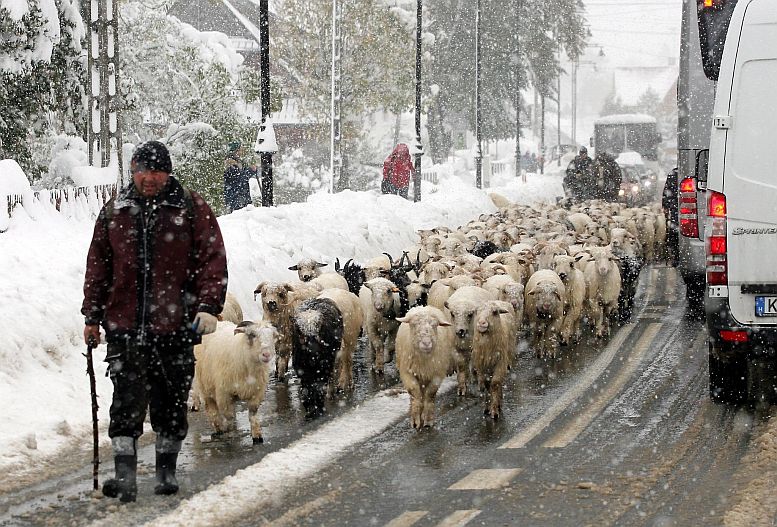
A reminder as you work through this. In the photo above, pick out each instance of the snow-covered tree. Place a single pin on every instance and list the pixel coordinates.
(180, 84)
(542, 27)
(41, 78)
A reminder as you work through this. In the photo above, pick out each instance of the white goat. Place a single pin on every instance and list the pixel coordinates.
(492, 349)
(424, 343)
(233, 364)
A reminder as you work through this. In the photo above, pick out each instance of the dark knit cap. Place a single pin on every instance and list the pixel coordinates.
(152, 156)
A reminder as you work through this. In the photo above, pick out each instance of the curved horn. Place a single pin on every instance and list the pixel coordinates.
(337, 265)
(391, 260)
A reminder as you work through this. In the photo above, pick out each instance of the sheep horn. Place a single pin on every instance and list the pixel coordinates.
(391, 260)
(337, 265)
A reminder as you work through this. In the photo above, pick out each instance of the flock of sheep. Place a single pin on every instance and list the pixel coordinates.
(455, 303)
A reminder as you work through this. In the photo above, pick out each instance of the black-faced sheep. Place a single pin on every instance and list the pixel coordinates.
(317, 334)
(233, 364)
(424, 344)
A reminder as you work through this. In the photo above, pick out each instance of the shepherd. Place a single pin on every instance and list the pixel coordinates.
(156, 278)
(397, 171)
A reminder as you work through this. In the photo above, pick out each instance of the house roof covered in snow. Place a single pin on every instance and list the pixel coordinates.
(225, 16)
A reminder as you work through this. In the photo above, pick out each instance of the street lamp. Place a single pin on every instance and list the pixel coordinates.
(265, 149)
(478, 118)
(518, 64)
(418, 146)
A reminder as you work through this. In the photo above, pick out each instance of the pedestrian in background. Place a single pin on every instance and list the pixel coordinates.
(398, 169)
(237, 191)
(156, 278)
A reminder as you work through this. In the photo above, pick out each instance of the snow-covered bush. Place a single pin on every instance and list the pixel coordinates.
(296, 179)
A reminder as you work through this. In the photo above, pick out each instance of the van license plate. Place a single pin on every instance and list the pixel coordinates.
(766, 306)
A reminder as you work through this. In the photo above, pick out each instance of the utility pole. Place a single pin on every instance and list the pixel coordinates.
(542, 136)
(264, 70)
(478, 118)
(558, 104)
(518, 65)
(418, 146)
(336, 151)
(574, 101)
(103, 117)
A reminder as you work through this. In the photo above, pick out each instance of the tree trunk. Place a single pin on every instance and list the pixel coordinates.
(439, 138)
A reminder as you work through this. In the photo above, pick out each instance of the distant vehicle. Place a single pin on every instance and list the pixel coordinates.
(636, 188)
(741, 220)
(616, 134)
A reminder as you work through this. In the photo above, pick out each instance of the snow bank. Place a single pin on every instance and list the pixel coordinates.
(13, 181)
(43, 386)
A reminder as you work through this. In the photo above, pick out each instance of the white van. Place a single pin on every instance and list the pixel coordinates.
(741, 223)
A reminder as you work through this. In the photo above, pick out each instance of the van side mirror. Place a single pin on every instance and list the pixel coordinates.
(702, 165)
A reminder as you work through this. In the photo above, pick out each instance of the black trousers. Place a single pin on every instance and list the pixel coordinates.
(155, 376)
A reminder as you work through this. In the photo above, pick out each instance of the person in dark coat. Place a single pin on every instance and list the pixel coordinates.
(669, 202)
(607, 176)
(237, 191)
(156, 279)
(579, 180)
(398, 170)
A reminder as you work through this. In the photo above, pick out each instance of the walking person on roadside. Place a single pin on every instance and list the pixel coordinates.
(156, 278)
(398, 170)
(237, 191)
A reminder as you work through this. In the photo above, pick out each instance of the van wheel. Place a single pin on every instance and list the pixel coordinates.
(728, 379)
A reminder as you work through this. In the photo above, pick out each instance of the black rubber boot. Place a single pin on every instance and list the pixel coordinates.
(124, 486)
(165, 474)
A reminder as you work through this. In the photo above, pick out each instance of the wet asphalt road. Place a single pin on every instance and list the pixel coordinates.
(619, 432)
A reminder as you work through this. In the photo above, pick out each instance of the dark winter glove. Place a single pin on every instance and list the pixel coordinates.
(204, 323)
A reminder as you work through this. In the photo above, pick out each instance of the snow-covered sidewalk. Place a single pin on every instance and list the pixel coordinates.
(42, 371)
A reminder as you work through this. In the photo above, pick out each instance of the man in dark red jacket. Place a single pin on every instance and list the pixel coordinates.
(156, 278)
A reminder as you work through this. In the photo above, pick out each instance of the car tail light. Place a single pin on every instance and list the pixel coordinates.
(717, 249)
(734, 336)
(689, 214)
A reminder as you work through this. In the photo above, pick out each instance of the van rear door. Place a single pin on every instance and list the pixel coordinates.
(750, 170)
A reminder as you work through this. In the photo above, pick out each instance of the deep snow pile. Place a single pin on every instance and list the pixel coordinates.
(43, 385)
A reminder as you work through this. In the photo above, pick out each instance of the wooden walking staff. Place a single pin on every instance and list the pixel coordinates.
(95, 432)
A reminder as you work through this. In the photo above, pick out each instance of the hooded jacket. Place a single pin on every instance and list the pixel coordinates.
(153, 263)
(398, 167)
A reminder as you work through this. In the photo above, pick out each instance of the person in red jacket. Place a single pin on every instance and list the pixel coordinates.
(398, 169)
(156, 279)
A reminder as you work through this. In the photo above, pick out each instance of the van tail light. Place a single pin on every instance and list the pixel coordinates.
(689, 214)
(717, 250)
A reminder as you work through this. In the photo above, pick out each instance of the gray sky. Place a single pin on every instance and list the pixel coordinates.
(636, 32)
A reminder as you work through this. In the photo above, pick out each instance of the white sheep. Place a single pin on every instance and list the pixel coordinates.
(574, 299)
(442, 290)
(493, 346)
(307, 269)
(233, 364)
(506, 289)
(378, 267)
(232, 311)
(380, 303)
(353, 319)
(603, 280)
(545, 311)
(461, 307)
(424, 343)
(330, 281)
